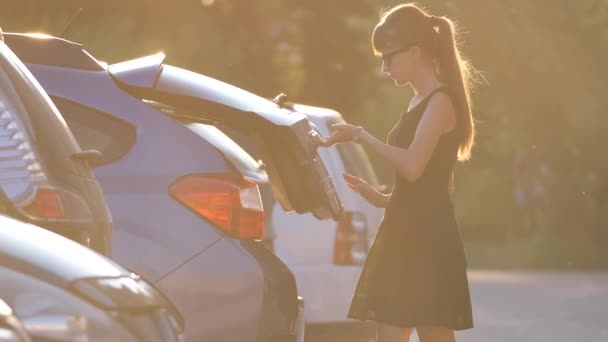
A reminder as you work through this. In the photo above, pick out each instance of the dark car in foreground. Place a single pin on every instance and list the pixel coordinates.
(62, 291)
(43, 170)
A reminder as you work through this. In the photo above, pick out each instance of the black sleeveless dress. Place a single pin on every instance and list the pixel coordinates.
(415, 272)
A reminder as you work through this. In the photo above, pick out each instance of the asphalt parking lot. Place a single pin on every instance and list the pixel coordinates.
(518, 306)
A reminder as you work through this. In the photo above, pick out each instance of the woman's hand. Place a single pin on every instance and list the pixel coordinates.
(367, 191)
(341, 133)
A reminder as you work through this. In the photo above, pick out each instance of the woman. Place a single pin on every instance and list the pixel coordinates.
(415, 274)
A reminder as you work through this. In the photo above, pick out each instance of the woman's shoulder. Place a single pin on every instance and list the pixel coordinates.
(416, 105)
(443, 92)
(441, 97)
(440, 107)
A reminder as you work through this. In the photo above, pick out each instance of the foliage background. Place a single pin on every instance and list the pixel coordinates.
(545, 95)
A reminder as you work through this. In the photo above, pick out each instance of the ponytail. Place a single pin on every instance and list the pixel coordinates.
(455, 72)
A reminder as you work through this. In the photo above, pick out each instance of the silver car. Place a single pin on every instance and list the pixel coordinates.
(62, 291)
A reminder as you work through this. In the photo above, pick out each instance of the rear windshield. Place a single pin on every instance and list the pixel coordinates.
(242, 161)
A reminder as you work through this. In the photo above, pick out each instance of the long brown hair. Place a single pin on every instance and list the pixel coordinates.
(408, 24)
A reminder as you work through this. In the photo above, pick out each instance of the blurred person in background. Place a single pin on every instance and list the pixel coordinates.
(528, 186)
(415, 274)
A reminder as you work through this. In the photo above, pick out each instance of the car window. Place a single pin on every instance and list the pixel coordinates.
(19, 163)
(95, 130)
(355, 160)
(243, 162)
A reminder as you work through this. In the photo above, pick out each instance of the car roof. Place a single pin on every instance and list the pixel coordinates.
(60, 52)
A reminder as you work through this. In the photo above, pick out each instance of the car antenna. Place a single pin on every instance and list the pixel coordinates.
(80, 10)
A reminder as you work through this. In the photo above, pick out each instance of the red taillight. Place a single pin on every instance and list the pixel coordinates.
(234, 205)
(46, 204)
(351, 243)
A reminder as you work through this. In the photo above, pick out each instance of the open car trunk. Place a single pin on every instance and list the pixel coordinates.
(285, 139)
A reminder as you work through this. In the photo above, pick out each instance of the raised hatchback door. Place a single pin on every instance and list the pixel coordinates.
(286, 141)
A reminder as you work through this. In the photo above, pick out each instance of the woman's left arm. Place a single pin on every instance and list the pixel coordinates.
(410, 163)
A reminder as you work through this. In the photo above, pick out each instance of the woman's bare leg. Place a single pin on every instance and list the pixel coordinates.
(389, 333)
(436, 334)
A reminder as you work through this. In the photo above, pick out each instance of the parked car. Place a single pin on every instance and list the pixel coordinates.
(43, 171)
(62, 291)
(327, 250)
(283, 317)
(185, 212)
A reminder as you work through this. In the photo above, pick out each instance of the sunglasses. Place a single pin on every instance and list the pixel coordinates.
(388, 57)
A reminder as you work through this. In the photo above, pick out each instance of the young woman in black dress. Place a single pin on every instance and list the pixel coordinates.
(415, 274)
